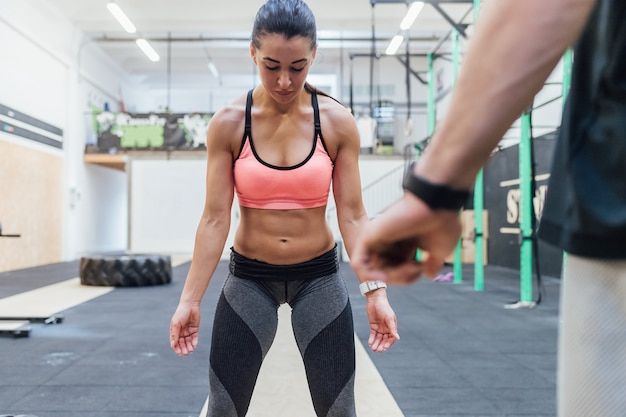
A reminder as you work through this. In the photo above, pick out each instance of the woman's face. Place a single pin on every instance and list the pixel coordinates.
(283, 65)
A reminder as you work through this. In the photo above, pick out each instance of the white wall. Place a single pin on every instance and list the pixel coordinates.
(33, 80)
(167, 198)
(52, 73)
(102, 220)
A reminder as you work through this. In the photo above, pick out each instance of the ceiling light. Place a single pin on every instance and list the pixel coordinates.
(121, 17)
(395, 43)
(147, 49)
(411, 15)
(213, 70)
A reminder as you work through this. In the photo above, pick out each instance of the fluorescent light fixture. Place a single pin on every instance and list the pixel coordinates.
(213, 70)
(147, 49)
(411, 15)
(395, 43)
(121, 17)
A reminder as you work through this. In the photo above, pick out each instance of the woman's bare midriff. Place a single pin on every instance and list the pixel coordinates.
(283, 237)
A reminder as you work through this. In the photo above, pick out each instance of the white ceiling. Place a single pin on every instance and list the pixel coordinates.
(200, 29)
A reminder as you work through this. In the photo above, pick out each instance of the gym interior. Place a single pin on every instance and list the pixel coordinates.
(102, 168)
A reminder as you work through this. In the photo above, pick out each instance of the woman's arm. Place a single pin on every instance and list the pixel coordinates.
(214, 223)
(212, 229)
(352, 217)
(351, 214)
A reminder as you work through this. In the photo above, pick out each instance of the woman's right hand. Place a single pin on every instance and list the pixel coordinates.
(184, 328)
(383, 322)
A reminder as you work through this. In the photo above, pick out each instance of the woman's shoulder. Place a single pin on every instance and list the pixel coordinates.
(227, 125)
(231, 115)
(334, 115)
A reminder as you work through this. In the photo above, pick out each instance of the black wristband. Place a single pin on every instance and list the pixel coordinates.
(436, 196)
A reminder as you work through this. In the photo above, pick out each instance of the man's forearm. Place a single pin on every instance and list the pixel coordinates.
(516, 46)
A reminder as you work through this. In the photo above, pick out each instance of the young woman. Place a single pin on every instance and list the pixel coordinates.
(279, 147)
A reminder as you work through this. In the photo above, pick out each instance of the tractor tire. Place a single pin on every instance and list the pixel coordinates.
(126, 270)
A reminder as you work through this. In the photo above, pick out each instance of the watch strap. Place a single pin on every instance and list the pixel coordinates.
(369, 286)
(436, 196)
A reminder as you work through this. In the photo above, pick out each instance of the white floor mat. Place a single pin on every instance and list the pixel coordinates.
(47, 301)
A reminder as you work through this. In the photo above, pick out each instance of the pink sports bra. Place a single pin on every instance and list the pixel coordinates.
(264, 186)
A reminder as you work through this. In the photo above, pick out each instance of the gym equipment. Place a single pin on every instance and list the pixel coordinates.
(126, 270)
(15, 328)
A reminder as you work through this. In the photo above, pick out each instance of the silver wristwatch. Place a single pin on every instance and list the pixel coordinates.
(369, 286)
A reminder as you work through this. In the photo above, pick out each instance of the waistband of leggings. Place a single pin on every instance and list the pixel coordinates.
(246, 268)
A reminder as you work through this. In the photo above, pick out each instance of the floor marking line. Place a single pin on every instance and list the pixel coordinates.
(47, 301)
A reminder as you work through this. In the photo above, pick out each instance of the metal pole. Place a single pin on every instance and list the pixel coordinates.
(456, 61)
(373, 54)
(476, 9)
(432, 112)
(479, 268)
(526, 211)
(352, 85)
(568, 58)
(169, 73)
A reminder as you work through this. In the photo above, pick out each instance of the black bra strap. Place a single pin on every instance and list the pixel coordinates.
(248, 112)
(316, 113)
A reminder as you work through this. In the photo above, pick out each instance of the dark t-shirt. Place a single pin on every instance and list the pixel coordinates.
(585, 210)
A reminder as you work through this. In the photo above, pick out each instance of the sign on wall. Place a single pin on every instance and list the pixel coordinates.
(502, 198)
(119, 131)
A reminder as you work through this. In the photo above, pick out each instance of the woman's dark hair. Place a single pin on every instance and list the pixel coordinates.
(284, 17)
(288, 18)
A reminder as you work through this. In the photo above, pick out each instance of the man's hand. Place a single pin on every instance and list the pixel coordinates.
(385, 248)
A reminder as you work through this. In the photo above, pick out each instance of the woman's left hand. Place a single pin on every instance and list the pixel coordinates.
(383, 324)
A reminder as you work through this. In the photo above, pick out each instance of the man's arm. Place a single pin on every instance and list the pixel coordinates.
(516, 46)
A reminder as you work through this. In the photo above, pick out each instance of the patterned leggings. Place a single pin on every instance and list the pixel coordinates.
(245, 324)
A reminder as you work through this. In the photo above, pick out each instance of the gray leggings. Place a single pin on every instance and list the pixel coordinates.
(246, 319)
